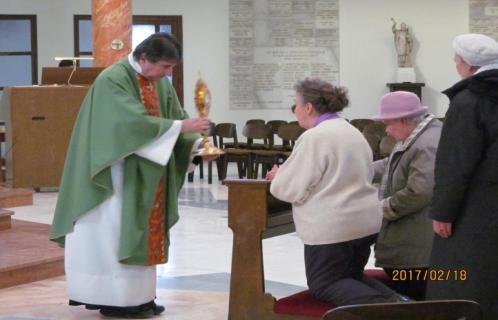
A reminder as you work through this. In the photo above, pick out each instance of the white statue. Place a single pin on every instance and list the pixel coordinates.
(403, 43)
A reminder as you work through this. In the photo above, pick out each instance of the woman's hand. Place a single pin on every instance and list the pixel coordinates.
(270, 175)
(199, 125)
(443, 229)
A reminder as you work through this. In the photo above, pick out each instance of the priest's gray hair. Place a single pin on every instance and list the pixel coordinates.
(159, 46)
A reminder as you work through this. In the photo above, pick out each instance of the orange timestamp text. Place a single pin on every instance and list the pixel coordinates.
(429, 274)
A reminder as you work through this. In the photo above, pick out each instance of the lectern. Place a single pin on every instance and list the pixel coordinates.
(38, 125)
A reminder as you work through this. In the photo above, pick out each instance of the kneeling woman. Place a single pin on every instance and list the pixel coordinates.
(335, 208)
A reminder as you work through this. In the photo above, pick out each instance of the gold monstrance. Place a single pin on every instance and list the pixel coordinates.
(203, 104)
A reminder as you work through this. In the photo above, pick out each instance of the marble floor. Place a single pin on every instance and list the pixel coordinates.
(194, 284)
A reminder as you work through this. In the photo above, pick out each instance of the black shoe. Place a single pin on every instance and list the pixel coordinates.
(146, 310)
(133, 312)
(157, 309)
(87, 306)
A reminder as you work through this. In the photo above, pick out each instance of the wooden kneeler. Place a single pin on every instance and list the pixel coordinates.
(253, 214)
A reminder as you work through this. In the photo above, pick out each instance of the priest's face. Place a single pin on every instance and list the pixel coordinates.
(156, 71)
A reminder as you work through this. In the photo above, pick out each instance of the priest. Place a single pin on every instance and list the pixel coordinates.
(130, 149)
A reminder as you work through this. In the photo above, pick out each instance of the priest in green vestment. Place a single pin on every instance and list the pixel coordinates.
(130, 149)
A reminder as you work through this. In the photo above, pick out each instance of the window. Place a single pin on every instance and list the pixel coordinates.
(18, 52)
(143, 26)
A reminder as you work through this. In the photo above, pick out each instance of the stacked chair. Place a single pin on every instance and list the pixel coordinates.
(260, 144)
(375, 134)
(360, 123)
(289, 133)
(260, 147)
(267, 153)
(233, 151)
(252, 121)
(274, 126)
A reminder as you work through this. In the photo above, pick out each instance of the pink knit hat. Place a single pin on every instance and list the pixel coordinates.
(400, 104)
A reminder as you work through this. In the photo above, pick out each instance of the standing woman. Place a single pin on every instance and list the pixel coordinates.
(465, 203)
(335, 208)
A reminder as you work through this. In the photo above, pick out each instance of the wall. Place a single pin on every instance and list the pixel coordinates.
(368, 59)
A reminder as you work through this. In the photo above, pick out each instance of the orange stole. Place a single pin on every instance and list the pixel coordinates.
(155, 242)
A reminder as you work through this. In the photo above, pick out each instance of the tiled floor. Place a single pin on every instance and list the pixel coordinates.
(193, 285)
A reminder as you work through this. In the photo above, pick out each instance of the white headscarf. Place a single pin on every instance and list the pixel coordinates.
(476, 49)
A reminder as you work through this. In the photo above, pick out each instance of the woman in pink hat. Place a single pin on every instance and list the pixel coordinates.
(407, 177)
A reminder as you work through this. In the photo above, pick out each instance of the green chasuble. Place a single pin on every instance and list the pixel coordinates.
(112, 125)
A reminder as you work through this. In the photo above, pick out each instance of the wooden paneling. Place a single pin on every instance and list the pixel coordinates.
(79, 76)
(39, 122)
(10, 198)
(5, 222)
(27, 255)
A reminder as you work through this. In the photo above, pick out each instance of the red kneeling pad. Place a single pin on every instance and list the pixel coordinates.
(303, 303)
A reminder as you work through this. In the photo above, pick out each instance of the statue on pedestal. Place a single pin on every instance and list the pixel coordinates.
(403, 43)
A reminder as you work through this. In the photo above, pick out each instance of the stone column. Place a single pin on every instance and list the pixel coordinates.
(112, 26)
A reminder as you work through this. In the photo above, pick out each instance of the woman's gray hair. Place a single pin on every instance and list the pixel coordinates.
(416, 119)
(322, 95)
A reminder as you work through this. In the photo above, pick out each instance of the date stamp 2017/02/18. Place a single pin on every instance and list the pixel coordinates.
(429, 274)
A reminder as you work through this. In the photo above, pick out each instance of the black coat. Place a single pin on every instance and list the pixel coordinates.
(466, 194)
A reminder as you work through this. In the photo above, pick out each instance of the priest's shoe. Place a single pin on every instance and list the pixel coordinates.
(147, 310)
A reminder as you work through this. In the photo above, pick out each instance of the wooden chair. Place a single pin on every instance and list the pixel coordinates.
(260, 121)
(289, 133)
(274, 125)
(360, 123)
(373, 140)
(257, 135)
(259, 143)
(233, 153)
(374, 132)
(378, 128)
(417, 310)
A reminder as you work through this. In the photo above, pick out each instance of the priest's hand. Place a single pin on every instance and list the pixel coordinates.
(443, 229)
(196, 125)
(270, 175)
(210, 157)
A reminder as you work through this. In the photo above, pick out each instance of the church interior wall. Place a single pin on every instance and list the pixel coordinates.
(367, 54)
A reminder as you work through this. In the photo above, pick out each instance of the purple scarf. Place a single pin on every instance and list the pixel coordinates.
(325, 116)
